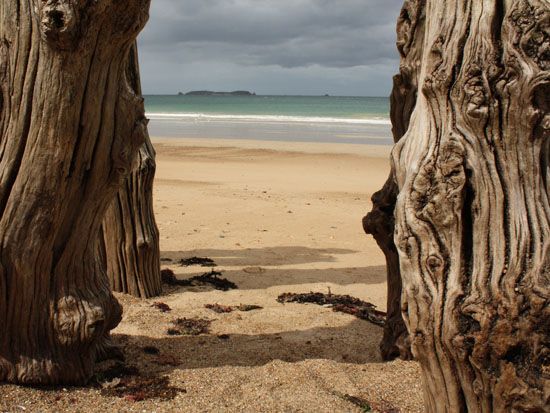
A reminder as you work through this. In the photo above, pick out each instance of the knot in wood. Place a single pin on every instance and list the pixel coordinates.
(434, 83)
(478, 387)
(437, 48)
(59, 24)
(451, 162)
(533, 29)
(404, 30)
(475, 93)
(435, 264)
(418, 339)
(546, 123)
(78, 321)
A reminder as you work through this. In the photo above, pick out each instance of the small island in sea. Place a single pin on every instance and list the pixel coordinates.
(210, 93)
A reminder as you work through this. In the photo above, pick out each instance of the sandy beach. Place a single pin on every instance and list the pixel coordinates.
(275, 217)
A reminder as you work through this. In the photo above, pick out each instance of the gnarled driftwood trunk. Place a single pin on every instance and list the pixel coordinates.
(130, 237)
(473, 214)
(70, 126)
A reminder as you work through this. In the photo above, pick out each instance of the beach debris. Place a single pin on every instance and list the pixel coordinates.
(340, 303)
(221, 309)
(163, 307)
(189, 327)
(218, 308)
(210, 278)
(367, 406)
(254, 270)
(151, 350)
(137, 388)
(224, 336)
(111, 384)
(248, 307)
(115, 370)
(203, 262)
(363, 404)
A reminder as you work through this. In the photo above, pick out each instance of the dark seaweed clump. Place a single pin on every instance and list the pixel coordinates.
(203, 262)
(189, 327)
(341, 303)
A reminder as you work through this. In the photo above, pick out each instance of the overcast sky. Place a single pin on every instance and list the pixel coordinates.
(309, 47)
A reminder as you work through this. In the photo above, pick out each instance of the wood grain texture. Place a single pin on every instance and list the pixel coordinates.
(472, 216)
(130, 237)
(380, 221)
(70, 127)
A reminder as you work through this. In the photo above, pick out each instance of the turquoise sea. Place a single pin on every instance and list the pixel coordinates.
(363, 120)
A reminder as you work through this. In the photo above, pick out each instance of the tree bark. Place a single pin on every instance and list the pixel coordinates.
(473, 214)
(380, 221)
(70, 127)
(130, 237)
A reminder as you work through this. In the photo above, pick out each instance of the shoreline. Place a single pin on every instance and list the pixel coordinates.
(279, 128)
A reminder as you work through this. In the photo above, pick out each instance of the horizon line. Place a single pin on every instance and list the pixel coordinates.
(273, 94)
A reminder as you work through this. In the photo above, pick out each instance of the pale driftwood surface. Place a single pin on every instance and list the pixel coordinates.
(70, 127)
(473, 213)
(380, 221)
(130, 241)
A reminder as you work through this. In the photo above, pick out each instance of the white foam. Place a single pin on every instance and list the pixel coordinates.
(204, 117)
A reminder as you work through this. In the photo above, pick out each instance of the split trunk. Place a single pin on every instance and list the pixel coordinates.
(130, 237)
(70, 126)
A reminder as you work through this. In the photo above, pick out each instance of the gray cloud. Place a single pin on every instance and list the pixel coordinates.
(187, 40)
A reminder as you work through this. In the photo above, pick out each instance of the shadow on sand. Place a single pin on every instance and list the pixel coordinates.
(253, 273)
(269, 256)
(356, 342)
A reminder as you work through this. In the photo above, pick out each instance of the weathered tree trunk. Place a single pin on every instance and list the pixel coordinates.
(380, 221)
(70, 126)
(473, 212)
(130, 241)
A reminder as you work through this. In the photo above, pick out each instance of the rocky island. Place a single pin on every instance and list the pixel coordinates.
(210, 93)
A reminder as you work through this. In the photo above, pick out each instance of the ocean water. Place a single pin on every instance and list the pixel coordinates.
(362, 120)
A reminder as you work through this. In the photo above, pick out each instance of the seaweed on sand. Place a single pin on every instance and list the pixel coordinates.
(136, 388)
(248, 307)
(210, 278)
(163, 307)
(367, 406)
(124, 381)
(341, 303)
(189, 327)
(203, 262)
(219, 308)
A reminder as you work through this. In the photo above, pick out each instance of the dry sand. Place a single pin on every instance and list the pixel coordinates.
(275, 217)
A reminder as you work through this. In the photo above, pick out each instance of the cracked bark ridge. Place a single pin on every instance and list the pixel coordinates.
(380, 221)
(130, 237)
(473, 211)
(70, 127)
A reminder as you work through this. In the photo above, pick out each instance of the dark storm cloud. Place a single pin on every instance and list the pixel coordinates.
(289, 34)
